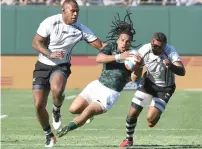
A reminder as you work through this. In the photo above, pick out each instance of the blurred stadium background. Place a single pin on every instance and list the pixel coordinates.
(181, 124)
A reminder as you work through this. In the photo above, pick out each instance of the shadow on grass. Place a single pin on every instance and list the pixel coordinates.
(9, 141)
(141, 146)
(165, 146)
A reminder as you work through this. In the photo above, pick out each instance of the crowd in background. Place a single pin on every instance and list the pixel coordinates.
(106, 2)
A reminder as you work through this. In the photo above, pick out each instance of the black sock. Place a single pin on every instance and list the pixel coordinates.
(130, 127)
(56, 108)
(47, 131)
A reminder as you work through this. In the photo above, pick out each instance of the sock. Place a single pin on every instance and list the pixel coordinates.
(72, 125)
(56, 108)
(130, 127)
(47, 131)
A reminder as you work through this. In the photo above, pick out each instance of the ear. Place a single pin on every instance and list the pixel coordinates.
(63, 10)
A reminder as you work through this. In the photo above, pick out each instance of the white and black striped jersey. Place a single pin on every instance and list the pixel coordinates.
(62, 37)
(156, 70)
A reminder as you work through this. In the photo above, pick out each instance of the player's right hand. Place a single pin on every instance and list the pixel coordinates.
(57, 55)
(167, 63)
(125, 55)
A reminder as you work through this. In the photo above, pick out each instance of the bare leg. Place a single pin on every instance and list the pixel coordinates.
(78, 105)
(91, 110)
(57, 82)
(131, 122)
(40, 101)
(153, 116)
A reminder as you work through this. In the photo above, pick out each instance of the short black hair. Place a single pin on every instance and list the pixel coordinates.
(160, 37)
(121, 27)
(68, 2)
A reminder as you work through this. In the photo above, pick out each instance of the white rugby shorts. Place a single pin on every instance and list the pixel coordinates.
(144, 100)
(96, 92)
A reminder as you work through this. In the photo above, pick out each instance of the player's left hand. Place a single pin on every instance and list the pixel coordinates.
(167, 63)
(138, 58)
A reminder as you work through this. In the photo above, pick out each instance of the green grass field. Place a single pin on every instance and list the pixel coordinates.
(180, 126)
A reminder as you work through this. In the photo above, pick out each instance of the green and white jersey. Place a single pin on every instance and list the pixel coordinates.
(114, 74)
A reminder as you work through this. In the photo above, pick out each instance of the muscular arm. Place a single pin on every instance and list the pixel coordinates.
(38, 44)
(104, 58)
(178, 68)
(136, 74)
(98, 44)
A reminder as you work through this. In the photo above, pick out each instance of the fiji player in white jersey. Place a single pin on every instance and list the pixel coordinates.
(162, 62)
(54, 40)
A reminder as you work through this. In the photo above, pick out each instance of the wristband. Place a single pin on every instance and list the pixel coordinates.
(117, 57)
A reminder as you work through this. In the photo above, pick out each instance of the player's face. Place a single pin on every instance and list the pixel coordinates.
(124, 42)
(157, 47)
(71, 12)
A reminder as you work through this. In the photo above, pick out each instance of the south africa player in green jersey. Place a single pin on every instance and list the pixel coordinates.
(100, 95)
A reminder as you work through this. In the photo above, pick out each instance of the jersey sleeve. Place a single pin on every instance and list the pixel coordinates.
(44, 29)
(88, 35)
(173, 55)
(143, 51)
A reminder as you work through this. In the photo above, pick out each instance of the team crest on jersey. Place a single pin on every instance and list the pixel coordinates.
(65, 32)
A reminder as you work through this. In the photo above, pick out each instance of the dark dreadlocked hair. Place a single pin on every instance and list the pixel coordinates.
(121, 27)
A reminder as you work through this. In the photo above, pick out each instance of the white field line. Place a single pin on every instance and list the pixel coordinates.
(70, 97)
(93, 145)
(3, 116)
(115, 129)
(57, 145)
(193, 89)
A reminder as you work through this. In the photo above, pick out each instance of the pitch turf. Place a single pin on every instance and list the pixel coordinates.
(180, 126)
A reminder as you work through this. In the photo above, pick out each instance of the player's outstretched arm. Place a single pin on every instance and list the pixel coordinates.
(104, 58)
(98, 44)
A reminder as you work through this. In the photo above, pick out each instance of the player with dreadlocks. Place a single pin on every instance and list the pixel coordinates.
(100, 95)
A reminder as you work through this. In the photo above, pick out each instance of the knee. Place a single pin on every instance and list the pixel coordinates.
(151, 124)
(134, 111)
(39, 106)
(73, 110)
(57, 92)
(152, 121)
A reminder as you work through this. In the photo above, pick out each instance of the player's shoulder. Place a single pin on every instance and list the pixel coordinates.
(169, 49)
(83, 27)
(54, 19)
(144, 49)
(110, 45)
